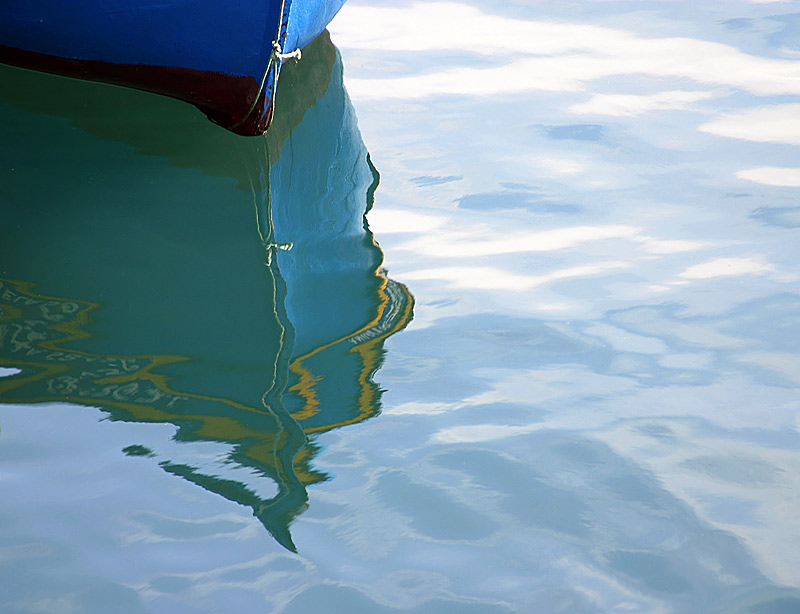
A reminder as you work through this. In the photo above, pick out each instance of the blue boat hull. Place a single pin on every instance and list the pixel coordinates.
(216, 55)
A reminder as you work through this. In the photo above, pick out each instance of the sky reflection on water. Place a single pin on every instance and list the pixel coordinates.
(595, 407)
(595, 208)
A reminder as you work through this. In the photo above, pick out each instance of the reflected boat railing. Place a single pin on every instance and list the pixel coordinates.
(259, 353)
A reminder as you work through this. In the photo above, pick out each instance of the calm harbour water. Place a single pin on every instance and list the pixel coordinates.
(558, 369)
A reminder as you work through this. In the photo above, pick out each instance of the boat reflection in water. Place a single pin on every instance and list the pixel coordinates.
(168, 271)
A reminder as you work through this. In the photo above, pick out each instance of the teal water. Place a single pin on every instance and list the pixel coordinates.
(501, 316)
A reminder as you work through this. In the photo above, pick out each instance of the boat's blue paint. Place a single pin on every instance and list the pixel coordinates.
(228, 37)
(188, 49)
(232, 37)
(307, 18)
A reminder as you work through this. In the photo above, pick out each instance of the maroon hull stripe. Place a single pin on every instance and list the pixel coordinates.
(223, 98)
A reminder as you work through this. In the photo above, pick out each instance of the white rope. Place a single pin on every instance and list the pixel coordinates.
(278, 55)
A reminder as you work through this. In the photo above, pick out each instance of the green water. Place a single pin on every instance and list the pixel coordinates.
(478, 328)
(144, 273)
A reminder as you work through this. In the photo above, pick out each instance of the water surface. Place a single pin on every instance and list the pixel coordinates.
(555, 370)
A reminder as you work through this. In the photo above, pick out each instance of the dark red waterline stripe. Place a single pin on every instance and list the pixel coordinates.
(223, 98)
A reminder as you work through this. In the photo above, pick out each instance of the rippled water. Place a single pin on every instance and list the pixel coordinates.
(556, 371)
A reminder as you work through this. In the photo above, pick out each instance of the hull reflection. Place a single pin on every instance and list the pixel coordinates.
(170, 272)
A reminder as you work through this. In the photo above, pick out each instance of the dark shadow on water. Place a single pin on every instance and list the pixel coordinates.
(164, 270)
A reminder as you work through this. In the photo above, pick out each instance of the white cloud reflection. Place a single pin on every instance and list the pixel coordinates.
(671, 246)
(559, 166)
(468, 242)
(475, 433)
(549, 56)
(724, 267)
(631, 104)
(385, 221)
(422, 408)
(772, 175)
(492, 278)
(767, 124)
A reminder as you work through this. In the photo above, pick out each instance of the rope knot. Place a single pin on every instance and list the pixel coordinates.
(278, 55)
